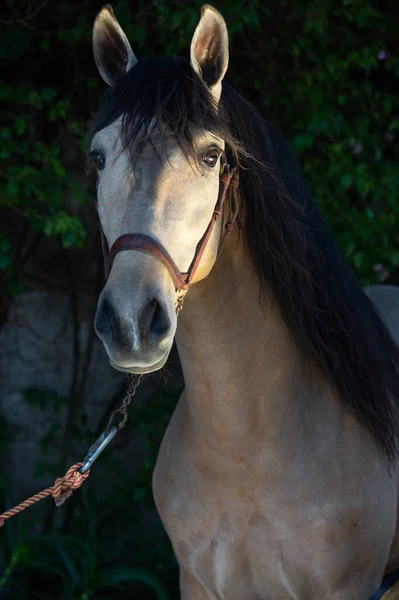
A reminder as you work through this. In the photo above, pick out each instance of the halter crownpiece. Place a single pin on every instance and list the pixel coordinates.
(147, 244)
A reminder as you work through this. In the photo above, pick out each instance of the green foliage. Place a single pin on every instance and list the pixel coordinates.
(70, 566)
(34, 181)
(5, 252)
(325, 72)
(44, 399)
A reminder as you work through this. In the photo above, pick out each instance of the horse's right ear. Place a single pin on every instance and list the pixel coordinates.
(112, 51)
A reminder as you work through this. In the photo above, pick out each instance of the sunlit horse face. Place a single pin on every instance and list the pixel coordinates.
(166, 196)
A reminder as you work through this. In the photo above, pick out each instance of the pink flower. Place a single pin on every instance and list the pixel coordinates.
(382, 271)
(382, 55)
(389, 135)
(357, 148)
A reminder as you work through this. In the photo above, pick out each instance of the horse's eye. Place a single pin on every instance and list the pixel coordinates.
(211, 157)
(98, 159)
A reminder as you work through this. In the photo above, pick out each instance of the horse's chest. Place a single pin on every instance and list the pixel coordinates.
(236, 531)
(208, 528)
(235, 543)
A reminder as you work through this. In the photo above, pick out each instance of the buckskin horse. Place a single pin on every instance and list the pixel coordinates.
(277, 477)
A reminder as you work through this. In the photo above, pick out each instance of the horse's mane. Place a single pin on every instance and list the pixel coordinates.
(329, 316)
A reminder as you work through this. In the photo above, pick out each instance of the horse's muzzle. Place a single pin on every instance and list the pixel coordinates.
(136, 340)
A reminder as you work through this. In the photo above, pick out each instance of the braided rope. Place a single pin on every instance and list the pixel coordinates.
(61, 490)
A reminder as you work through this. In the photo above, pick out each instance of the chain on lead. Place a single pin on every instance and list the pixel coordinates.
(122, 410)
(107, 436)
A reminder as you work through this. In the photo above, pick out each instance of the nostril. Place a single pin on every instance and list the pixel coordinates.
(147, 316)
(102, 323)
(160, 322)
(154, 321)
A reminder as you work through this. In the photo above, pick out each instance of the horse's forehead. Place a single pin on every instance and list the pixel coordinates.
(111, 139)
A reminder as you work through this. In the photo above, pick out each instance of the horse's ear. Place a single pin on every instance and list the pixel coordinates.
(210, 49)
(112, 51)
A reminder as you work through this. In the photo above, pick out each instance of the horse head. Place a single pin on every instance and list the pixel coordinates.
(158, 145)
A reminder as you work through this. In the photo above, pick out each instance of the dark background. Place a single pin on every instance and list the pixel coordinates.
(326, 73)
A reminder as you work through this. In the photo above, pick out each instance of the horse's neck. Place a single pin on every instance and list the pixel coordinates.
(243, 374)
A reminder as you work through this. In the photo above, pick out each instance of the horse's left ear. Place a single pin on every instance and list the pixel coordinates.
(112, 51)
(210, 49)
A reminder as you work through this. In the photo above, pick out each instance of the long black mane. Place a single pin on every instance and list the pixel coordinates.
(328, 314)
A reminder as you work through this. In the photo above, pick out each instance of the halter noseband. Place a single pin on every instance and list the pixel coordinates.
(147, 244)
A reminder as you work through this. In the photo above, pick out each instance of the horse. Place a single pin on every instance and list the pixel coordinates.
(277, 476)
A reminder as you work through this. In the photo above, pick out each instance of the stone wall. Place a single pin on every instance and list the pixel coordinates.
(44, 345)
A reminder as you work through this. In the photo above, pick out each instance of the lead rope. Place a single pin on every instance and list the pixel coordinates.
(64, 486)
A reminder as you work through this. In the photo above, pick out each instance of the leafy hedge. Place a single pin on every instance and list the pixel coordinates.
(325, 72)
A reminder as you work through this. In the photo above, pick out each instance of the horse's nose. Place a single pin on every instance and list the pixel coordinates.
(133, 333)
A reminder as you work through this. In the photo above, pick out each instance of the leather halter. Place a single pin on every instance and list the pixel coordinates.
(147, 244)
